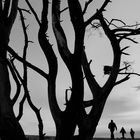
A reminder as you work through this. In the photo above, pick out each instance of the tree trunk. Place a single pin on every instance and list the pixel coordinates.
(66, 121)
(9, 126)
(87, 133)
(66, 129)
(88, 126)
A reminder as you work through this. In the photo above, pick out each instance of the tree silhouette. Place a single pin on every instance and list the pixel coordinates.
(87, 123)
(9, 126)
(24, 81)
(77, 65)
(66, 125)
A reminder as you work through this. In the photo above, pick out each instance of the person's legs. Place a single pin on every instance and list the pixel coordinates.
(132, 136)
(123, 135)
(112, 134)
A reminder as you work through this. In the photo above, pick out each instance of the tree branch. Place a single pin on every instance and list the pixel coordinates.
(94, 86)
(76, 15)
(12, 52)
(122, 80)
(125, 68)
(64, 9)
(127, 38)
(88, 103)
(25, 45)
(130, 73)
(15, 77)
(13, 12)
(21, 104)
(77, 21)
(59, 33)
(117, 57)
(124, 32)
(33, 11)
(6, 8)
(97, 13)
(52, 61)
(24, 81)
(87, 3)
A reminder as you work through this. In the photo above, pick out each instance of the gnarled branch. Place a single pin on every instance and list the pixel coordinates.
(97, 13)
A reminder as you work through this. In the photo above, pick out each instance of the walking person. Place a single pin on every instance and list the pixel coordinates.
(132, 133)
(112, 126)
(123, 132)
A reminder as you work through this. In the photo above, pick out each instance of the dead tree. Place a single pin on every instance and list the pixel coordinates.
(77, 64)
(49, 55)
(72, 61)
(9, 126)
(65, 125)
(87, 123)
(23, 81)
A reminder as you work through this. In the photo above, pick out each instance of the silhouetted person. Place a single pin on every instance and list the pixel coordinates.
(112, 126)
(132, 133)
(123, 132)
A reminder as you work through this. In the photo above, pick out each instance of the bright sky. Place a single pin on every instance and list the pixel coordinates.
(123, 104)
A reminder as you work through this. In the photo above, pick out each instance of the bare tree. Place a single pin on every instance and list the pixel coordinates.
(87, 123)
(78, 66)
(9, 126)
(73, 62)
(24, 81)
(64, 124)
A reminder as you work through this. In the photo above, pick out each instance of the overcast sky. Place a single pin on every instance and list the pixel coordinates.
(123, 104)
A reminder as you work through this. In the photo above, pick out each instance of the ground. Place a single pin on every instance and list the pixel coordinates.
(52, 138)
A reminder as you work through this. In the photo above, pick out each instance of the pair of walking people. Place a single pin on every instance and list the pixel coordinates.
(123, 132)
(112, 126)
